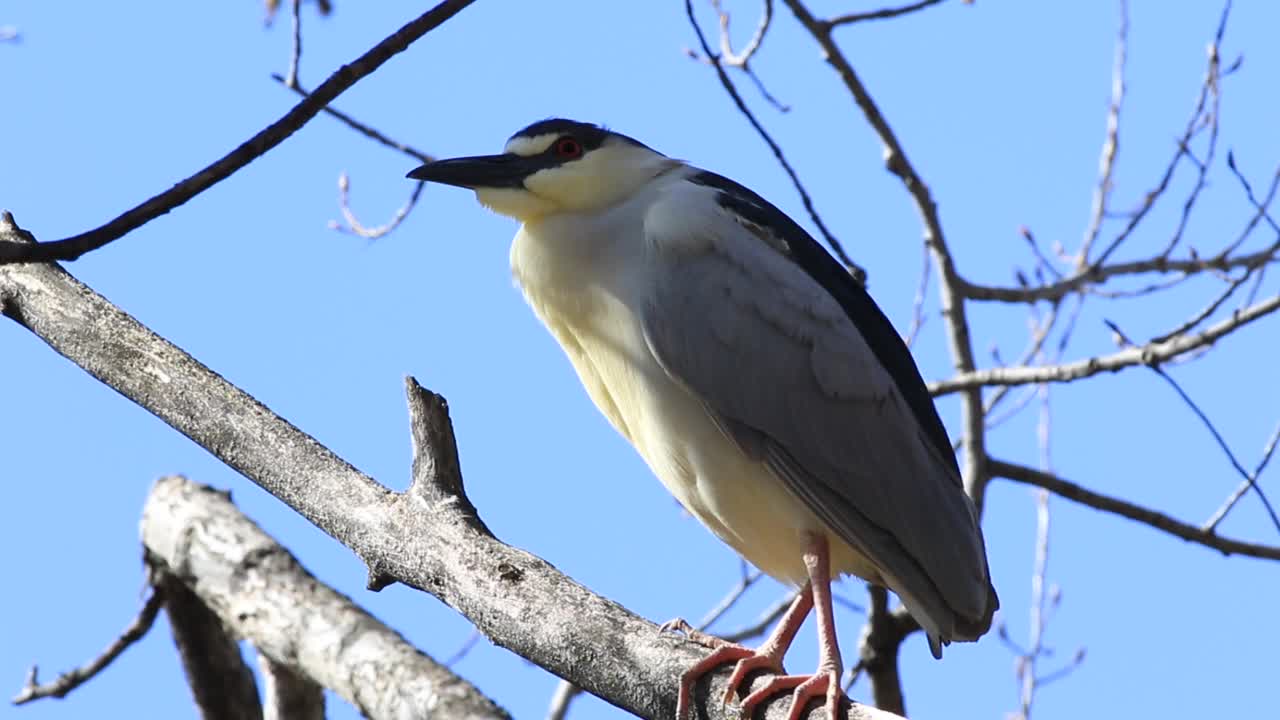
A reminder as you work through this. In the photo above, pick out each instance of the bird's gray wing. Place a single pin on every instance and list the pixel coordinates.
(783, 367)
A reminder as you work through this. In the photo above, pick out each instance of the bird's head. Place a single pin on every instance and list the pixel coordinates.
(553, 166)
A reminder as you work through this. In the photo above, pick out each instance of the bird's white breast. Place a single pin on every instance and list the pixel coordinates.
(586, 278)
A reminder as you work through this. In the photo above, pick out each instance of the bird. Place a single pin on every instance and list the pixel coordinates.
(756, 378)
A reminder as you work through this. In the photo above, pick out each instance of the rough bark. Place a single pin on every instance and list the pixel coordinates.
(286, 695)
(221, 684)
(429, 541)
(261, 592)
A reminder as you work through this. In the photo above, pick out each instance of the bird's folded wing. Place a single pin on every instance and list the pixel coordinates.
(785, 372)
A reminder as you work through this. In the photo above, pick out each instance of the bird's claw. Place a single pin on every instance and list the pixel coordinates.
(747, 665)
(727, 652)
(748, 661)
(691, 633)
(824, 683)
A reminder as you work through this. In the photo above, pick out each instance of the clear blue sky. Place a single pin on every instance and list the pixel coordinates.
(1002, 108)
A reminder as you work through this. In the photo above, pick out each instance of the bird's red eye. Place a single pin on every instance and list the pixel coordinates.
(567, 147)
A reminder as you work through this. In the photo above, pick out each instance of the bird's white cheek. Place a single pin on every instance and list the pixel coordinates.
(578, 186)
(513, 202)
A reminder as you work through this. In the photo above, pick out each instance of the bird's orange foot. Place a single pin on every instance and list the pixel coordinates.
(747, 659)
(823, 684)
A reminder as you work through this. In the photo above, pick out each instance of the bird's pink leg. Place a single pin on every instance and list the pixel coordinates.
(767, 657)
(825, 682)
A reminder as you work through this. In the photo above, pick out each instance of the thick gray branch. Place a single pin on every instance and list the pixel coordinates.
(287, 695)
(516, 599)
(260, 592)
(221, 684)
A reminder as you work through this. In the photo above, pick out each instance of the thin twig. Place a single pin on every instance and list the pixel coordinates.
(353, 225)
(1221, 513)
(1040, 329)
(767, 618)
(1213, 429)
(270, 136)
(731, 598)
(1123, 508)
(1076, 660)
(881, 14)
(807, 201)
(295, 56)
(463, 650)
(1202, 166)
(1261, 207)
(1204, 314)
(1039, 611)
(917, 302)
(1027, 662)
(1044, 262)
(1110, 146)
(742, 60)
(1194, 125)
(844, 602)
(362, 128)
(727, 55)
(68, 681)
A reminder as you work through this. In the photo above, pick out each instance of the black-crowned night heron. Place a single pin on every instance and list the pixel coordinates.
(758, 380)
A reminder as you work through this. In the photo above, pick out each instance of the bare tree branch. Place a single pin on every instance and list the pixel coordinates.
(362, 128)
(727, 55)
(1213, 429)
(1262, 206)
(1080, 281)
(68, 681)
(917, 301)
(288, 695)
(1123, 508)
(1206, 312)
(1250, 481)
(1110, 146)
(1209, 88)
(295, 54)
(275, 133)
(353, 224)
(882, 14)
(432, 543)
(195, 533)
(222, 685)
(857, 270)
(464, 649)
(742, 59)
(1152, 353)
(878, 653)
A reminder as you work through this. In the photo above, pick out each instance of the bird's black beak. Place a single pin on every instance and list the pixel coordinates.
(484, 171)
